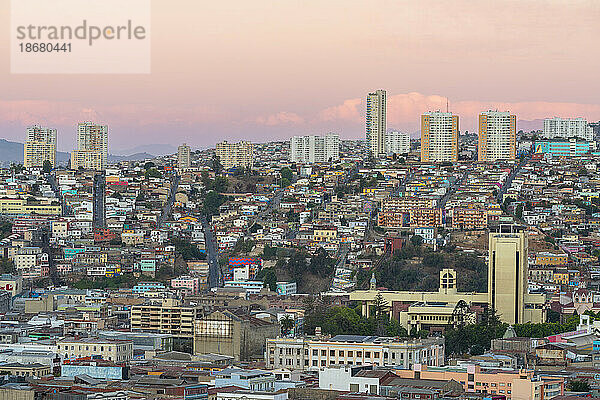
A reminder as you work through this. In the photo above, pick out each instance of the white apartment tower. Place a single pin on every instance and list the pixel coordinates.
(235, 154)
(397, 143)
(497, 136)
(439, 137)
(92, 147)
(315, 149)
(183, 156)
(566, 128)
(40, 146)
(376, 122)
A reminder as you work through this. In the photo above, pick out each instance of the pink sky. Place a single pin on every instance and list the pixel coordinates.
(265, 70)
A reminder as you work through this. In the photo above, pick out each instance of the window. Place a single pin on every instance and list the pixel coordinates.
(367, 354)
(349, 353)
(354, 388)
(332, 353)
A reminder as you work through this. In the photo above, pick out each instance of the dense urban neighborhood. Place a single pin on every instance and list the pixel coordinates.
(452, 265)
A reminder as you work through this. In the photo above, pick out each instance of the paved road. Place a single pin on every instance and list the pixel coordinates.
(214, 270)
(99, 193)
(166, 211)
(512, 176)
(54, 185)
(452, 189)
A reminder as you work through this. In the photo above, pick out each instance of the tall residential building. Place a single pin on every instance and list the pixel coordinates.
(40, 146)
(376, 122)
(183, 156)
(397, 143)
(497, 136)
(315, 149)
(92, 147)
(439, 137)
(507, 277)
(235, 154)
(565, 128)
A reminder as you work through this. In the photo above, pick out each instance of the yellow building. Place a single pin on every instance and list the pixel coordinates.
(28, 370)
(507, 277)
(167, 316)
(325, 235)
(547, 259)
(561, 277)
(439, 137)
(18, 206)
(507, 290)
(235, 154)
(497, 136)
(40, 146)
(111, 350)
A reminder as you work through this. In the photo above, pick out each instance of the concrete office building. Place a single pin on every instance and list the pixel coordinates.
(92, 147)
(315, 149)
(439, 137)
(165, 316)
(566, 128)
(397, 143)
(237, 335)
(40, 146)
(376, 122)
(313, 352)
(497, 136)
(183, 156)
(507, 290)
(507, 277)
(110, 350)
(235, 154)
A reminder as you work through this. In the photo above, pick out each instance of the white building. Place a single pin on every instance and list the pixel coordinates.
(497, 136)
(564, 128)
(315, 353)
(315, 149)
(40, 146)
(348, 379)
(376, 122)
(92, 147)
(397, 143)
(183, 156)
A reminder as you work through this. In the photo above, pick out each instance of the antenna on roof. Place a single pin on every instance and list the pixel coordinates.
(446, 104)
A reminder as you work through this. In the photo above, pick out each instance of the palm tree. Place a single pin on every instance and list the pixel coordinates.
(287, 324)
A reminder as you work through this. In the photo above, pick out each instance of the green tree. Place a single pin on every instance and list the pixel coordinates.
(47, 167)
(212, 202)
(287, 324)
(576, 385)
(286, 173)
(152, 173)
(7, 266)
(268, 277)
(187, 250)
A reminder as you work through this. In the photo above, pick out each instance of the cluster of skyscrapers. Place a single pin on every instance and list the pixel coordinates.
(440, 130)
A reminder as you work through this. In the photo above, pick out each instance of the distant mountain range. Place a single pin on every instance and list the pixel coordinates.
(13, 152)
(528, 126)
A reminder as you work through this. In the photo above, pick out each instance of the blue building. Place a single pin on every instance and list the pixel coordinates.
(147, 286)
(563, 148)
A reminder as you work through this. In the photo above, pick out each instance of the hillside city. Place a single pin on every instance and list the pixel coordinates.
(454, 265)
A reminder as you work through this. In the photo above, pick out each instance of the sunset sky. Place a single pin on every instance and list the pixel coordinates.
(265, 70)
